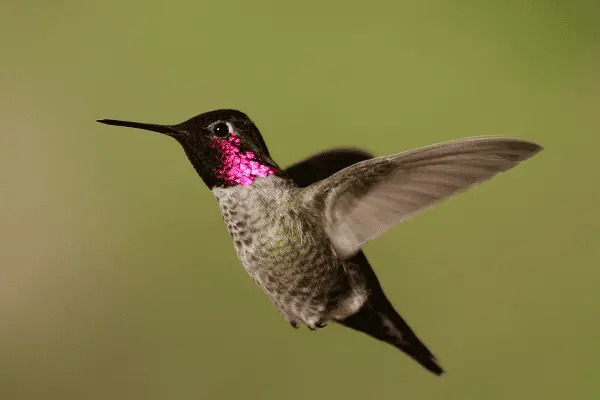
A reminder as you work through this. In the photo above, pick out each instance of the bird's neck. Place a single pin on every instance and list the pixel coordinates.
(264, 197)
(235, 166)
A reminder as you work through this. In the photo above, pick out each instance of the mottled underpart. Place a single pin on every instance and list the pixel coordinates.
(287, 253)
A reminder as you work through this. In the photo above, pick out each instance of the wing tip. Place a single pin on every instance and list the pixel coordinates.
(522, 148)
(526, 148)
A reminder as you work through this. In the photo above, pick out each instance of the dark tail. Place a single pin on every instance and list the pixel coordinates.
(377, 317)
(379, 320)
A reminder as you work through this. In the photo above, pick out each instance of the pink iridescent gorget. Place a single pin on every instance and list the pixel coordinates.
(237, 167)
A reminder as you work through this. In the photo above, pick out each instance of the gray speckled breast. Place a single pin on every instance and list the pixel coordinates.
(285, 250)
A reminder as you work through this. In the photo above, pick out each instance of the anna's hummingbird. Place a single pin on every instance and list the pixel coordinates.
(299, 231)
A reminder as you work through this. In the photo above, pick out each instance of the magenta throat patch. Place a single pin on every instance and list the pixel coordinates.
(237, 167)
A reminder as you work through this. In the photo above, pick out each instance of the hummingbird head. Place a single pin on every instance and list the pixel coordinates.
(224, 146)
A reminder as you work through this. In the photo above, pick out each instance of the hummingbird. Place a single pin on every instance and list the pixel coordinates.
(299, 231)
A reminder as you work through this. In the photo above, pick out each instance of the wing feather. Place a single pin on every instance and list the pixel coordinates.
(366, 199)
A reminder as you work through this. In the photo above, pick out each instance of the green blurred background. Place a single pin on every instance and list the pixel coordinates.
(118, 279)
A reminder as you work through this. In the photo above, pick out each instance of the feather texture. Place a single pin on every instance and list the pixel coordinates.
(366, 199)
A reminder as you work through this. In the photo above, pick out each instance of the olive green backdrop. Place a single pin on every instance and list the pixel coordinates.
(118, 279)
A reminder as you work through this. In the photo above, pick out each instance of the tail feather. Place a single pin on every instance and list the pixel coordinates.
(388, 326)
(377, 317)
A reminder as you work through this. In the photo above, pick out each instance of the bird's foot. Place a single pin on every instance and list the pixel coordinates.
(317, 325)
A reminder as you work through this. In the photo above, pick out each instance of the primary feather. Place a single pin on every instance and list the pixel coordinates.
(366, 199)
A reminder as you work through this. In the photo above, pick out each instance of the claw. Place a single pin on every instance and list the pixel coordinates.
(317, 325)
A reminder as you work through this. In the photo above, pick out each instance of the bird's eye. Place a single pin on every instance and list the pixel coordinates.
(221, 129)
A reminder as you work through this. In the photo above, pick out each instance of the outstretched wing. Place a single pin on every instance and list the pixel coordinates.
(366, 199)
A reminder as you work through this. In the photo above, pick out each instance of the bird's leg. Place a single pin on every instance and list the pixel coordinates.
(291, 319)
(313, 326)
(295, 323)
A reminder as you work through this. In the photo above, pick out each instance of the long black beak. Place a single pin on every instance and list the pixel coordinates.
(166, 129)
